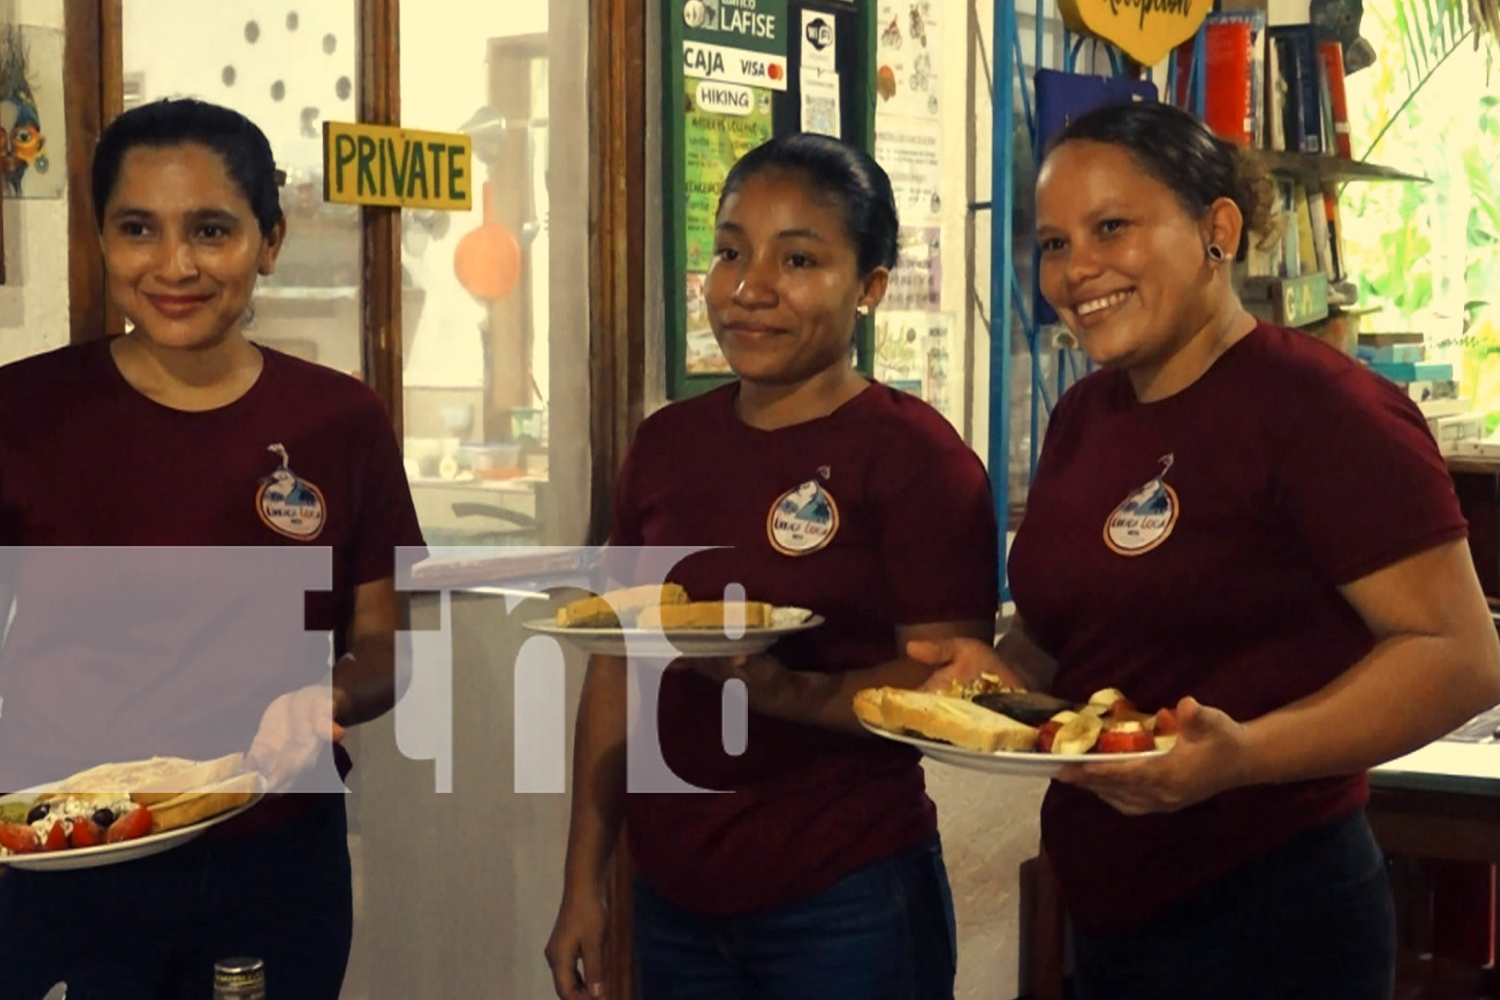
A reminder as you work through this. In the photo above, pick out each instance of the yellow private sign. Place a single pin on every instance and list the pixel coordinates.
(1145, 30)
(398, 167)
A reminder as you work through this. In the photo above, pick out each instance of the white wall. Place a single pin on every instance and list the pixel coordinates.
(34, 298)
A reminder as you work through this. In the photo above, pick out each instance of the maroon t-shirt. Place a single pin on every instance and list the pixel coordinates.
(875, 515)
(1194, 546)
(118, 654)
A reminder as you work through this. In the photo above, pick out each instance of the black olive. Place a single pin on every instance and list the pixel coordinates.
(1030, 707)
(103, 817)
(38, 811)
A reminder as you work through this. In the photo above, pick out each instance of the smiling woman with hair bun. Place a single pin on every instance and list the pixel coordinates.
(1238, 522)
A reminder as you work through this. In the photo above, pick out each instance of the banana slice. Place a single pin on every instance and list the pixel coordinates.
(1078, 734)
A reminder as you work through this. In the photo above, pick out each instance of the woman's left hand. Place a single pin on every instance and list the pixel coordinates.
(292, 733)
(1209, 758)
(771, 687)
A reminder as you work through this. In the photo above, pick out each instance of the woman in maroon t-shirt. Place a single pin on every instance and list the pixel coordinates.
(234, 512)
(815, 869)
(1238, 522)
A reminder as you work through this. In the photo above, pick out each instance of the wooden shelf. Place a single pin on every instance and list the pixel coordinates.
(1321, 170)
(1473, 465)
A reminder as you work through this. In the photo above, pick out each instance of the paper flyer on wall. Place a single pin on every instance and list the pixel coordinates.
(914, 353)
(907, 58)
(819, 44)
(701, 355)
(916, 284)
(712, 143)
(910, 150)
(820, 104)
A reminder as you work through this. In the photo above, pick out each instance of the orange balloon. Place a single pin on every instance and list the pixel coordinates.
(487, 262)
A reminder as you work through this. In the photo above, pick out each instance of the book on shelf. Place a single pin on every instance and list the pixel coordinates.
(1331, 57)
(1234, 81)
(1386, 339)
(1301, 111)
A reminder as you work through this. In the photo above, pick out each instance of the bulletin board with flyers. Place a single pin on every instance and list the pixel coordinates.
(737, 73)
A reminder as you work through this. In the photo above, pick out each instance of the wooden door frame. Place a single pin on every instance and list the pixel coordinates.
(94, 93)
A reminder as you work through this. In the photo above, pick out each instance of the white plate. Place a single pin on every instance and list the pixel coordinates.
(1028, 764)
(680, 643)
(126, 850)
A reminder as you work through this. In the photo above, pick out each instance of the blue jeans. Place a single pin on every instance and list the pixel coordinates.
(1312, 919)
(884, 932)
(151, 929)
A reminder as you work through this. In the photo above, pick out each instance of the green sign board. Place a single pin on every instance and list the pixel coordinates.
(750, 25)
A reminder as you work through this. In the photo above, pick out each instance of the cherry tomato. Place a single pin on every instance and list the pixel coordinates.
(1046, 733)
(1166, 723)
(57, 837)
(86, 833)
(1125, 741)
(19, 838)
(135, 823)
(1122, 708)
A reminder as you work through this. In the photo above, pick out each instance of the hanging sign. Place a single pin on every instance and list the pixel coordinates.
(1145, 30)
(397, 167)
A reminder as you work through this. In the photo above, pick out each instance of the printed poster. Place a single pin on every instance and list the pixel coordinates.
(907, 58)
(701, 353)
(712, 143)
(914, 353)
(32, 130)
(820, 105)
(819, 43)
(911, 151)
(916, 284)
(736, 41)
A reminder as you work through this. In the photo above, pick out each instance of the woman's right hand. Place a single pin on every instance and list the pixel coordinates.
(960, 661)
(576, 949)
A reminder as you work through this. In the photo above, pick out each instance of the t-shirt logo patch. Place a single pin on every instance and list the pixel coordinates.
(802, 520)
(1146, 518)
(289, 504)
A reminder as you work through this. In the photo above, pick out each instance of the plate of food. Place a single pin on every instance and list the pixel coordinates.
(1016, 732)
(119, 812)
(662, 622)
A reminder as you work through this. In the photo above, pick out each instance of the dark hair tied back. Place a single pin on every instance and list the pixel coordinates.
(845, 174)
(237, 140)
(1179, 150)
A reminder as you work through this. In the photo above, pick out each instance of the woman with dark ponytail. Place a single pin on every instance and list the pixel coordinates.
(814, 869)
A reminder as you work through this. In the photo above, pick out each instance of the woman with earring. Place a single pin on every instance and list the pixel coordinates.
(237, 514)
(816, 870)
(1238, 522)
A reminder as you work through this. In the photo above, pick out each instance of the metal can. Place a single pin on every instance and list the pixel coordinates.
(240, 979)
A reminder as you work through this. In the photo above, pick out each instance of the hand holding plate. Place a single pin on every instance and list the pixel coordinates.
(1207, 759)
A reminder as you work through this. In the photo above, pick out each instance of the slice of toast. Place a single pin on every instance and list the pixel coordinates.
(110, 781)
(942, 717)
(707, 615)
(203, 775)
(616, 607)
(204, 803)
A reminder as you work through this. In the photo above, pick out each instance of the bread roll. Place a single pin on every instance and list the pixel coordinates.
(617, 607)
(706, 615)
(941, 717)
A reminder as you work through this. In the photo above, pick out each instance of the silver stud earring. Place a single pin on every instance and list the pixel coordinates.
(862, 310)
(1216, 253)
